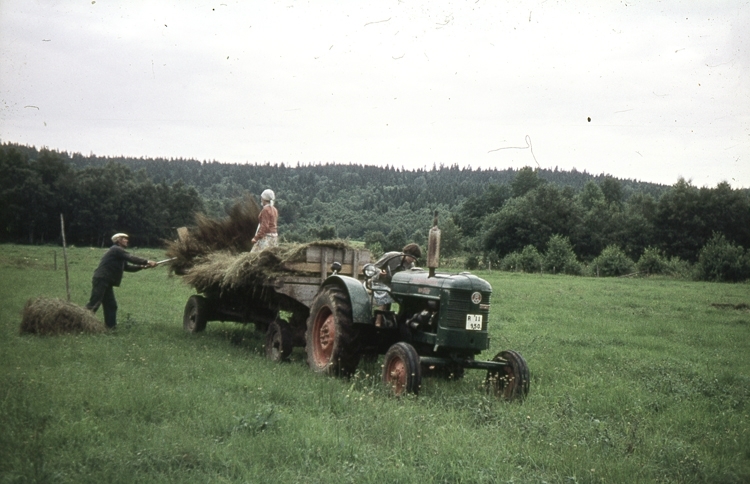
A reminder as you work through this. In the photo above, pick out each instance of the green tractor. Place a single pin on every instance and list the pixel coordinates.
(426, 323)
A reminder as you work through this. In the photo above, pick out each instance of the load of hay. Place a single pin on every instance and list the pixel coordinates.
(215, 254)
(233, 234)
(226, 271)
(52, 316)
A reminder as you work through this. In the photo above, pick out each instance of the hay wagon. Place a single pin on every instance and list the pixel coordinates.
(275, 296)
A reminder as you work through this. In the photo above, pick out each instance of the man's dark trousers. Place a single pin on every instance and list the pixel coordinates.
(103, 294)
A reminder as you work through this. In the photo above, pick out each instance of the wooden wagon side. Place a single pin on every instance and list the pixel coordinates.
(316, 268)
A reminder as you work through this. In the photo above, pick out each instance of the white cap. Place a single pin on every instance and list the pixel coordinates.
(267, 195)
(119, 236)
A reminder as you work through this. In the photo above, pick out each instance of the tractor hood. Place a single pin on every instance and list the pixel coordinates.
(415, 282)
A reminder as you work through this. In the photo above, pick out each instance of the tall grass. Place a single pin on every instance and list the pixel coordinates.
(633, 380)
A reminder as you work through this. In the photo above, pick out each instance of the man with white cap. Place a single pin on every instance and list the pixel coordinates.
(109, 275)
(266, 235)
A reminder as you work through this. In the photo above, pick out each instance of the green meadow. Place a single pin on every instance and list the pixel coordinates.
(633, 380)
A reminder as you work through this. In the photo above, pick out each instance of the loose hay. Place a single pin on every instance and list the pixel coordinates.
(51, 316)
(226, 271)
(232, 234)
(214, 255)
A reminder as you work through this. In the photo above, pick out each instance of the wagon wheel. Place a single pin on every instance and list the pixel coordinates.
(511, 382)
(298, 327)
(195, 316)
(330, 334)
(401, 369)
(278, 340)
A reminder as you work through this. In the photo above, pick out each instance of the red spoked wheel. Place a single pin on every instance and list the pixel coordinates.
(330, 334)
(511, 382)
(402, 372)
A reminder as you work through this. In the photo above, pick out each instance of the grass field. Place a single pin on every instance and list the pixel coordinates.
(633, 380)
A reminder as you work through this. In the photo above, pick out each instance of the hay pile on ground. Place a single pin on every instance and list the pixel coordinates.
(232, 234)
(226, 271)
(50, 316)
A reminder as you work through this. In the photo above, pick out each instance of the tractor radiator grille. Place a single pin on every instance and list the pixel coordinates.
(459, 305)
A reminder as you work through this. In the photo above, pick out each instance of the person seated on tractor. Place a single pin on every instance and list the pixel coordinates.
(389, 264)
(393, 262)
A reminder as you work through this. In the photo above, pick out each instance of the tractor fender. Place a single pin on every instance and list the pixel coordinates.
(358, 297)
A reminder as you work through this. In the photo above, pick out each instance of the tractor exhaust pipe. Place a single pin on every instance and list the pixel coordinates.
(433, 247)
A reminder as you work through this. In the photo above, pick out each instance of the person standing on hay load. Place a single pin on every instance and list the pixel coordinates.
(266, 235)
(109, 275)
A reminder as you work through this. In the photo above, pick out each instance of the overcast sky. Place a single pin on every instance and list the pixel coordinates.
(646, 90)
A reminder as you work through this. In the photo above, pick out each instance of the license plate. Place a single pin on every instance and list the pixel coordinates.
(474, 322)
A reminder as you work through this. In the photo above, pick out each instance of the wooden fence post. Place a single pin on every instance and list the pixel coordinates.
(65, 256)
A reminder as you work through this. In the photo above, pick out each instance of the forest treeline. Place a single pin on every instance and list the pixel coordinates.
(489, 216)
(97, 201)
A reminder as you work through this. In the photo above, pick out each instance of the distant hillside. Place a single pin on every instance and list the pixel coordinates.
(487, 212)
(212, 178)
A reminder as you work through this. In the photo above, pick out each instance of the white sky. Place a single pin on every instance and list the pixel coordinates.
(401, 82)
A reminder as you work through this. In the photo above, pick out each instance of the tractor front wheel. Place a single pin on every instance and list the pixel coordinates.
(195, 317)
(329, 340)
(511, 382)
(402, 372)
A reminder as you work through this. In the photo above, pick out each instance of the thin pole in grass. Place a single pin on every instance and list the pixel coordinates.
(65, 256)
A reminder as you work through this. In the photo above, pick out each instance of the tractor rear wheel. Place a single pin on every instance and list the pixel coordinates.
(329, 340)
(511, 382)
(278, 340)
(402, 372)
(195, 317)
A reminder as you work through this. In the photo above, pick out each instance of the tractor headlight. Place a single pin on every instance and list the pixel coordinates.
(370, 271)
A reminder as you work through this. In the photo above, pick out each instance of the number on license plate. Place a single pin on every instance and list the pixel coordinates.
(474, 322)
